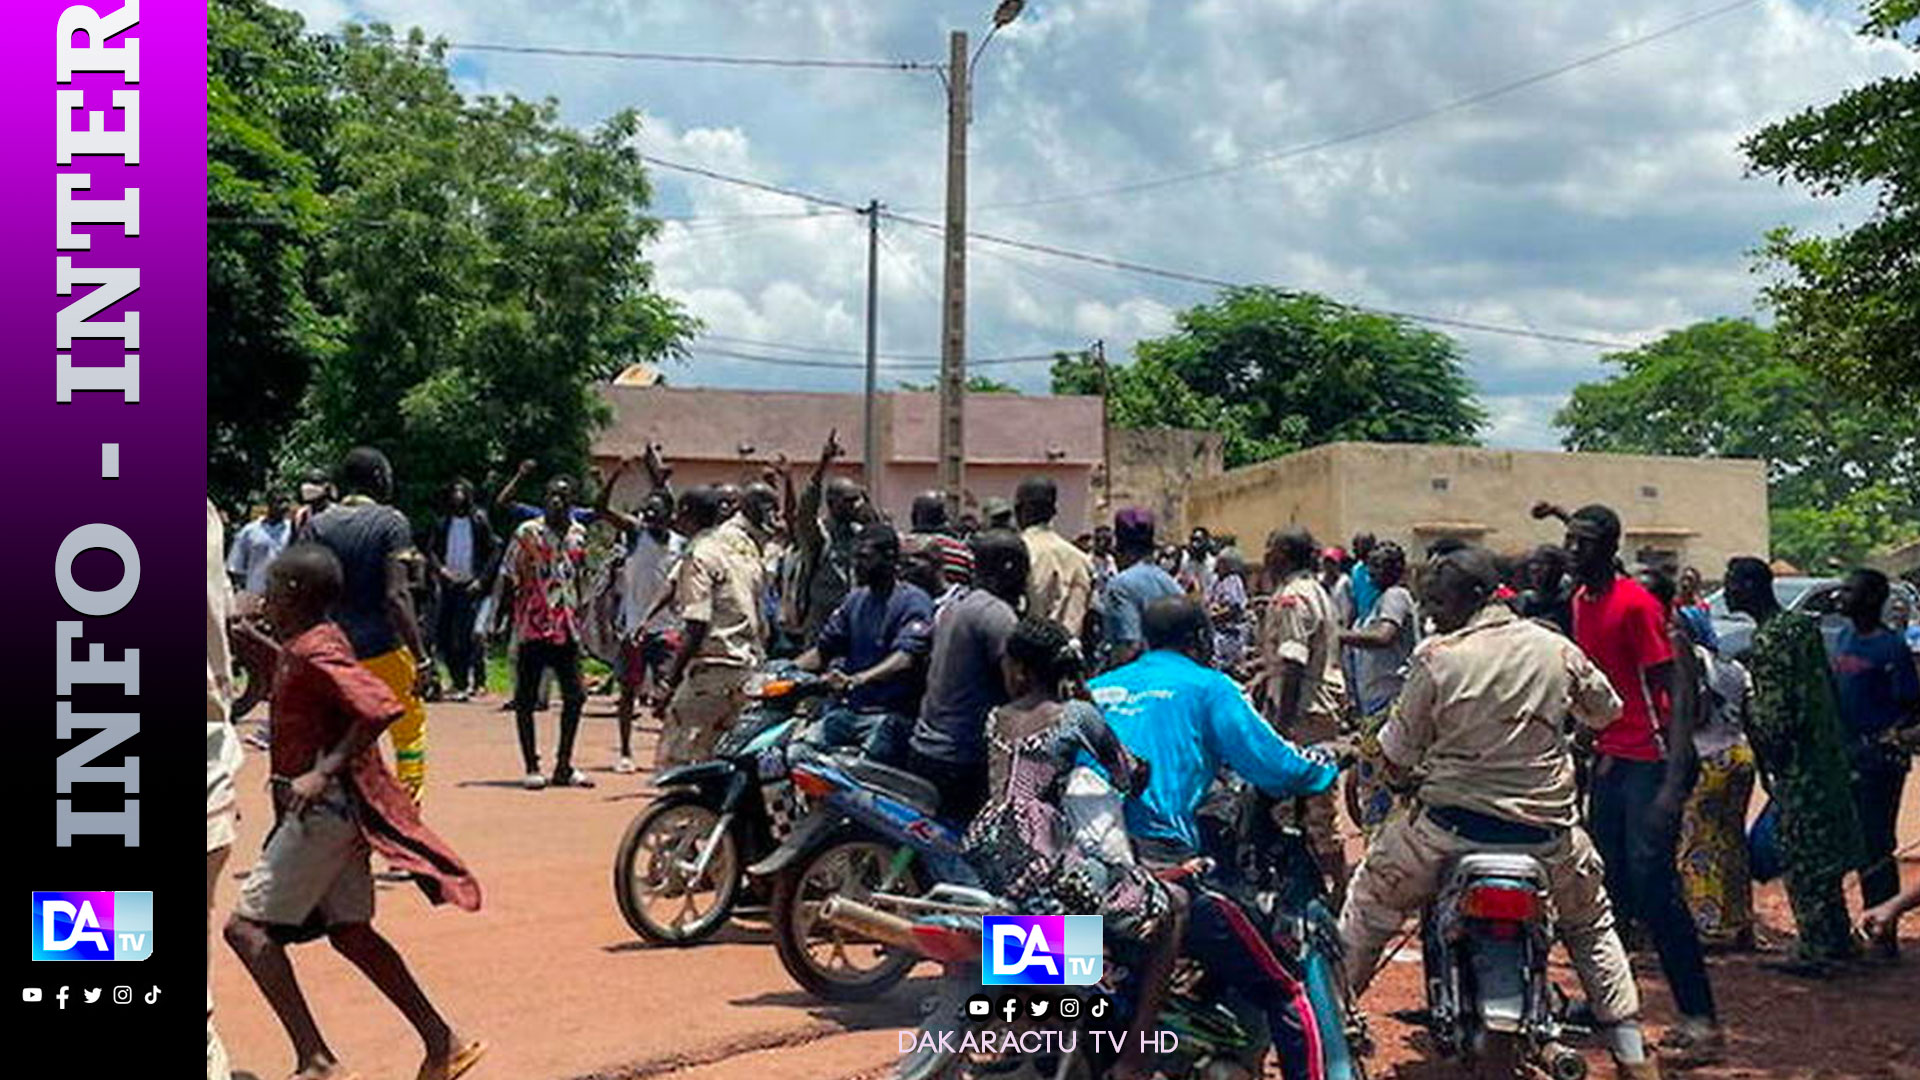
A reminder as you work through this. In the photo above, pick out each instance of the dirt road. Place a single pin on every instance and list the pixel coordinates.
(549, 973)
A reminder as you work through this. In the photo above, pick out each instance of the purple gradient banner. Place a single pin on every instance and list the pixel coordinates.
(104, 544)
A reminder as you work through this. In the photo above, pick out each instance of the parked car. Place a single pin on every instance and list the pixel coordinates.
(1816, 596)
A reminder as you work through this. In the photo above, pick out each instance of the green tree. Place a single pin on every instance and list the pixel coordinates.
(270, 122)
(467, 269)
(1274, 371)
(1843, 477)
(1849, 304)
(976, 384)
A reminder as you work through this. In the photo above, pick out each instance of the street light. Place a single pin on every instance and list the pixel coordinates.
(953, 307)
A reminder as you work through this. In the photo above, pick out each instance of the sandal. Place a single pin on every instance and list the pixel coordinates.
(458, 1065)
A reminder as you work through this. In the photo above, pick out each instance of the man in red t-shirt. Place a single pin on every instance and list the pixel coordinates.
(1643, 768)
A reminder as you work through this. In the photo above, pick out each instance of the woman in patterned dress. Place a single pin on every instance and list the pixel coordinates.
(1052, 837)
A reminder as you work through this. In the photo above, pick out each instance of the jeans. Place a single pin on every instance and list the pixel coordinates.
(879, 736)
(453, 628)
(1877, 787)
(1643, 877)
(536, 658)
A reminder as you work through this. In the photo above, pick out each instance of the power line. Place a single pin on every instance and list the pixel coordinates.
(832, 365)
(692, 58)
(757, 185)
(820, 350)
(1382, 127)
(263, 221)
(1141, 268)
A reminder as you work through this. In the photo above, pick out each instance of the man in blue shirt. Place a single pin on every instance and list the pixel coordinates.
(1140, 582)
(1187, 721)
(1879, 694)
(876, 642)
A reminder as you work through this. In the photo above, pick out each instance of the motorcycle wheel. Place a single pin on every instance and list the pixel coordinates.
(828, 962)
(1499, 1056)
(650, 880)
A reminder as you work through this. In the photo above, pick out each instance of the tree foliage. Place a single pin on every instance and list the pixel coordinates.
(1274, 371)
(457, 275)
(976, 384)
(1849, 304)
(270, 118)
(1843, 477)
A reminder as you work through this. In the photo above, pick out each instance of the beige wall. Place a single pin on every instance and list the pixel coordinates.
(1702, 510)
(1247, 503)
(1155, 467)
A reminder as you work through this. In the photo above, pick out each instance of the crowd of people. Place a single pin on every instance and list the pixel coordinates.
(1554, 703)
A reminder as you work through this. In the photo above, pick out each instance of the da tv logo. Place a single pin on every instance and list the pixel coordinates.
(1041, 950)
(92, 925)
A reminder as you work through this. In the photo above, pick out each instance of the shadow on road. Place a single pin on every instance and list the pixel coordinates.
(731, 934)
(901, 1008)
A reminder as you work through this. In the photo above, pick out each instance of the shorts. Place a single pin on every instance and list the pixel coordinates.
(315, 863)
(647, 651)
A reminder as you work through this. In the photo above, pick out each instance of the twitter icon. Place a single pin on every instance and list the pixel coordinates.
(91, 996)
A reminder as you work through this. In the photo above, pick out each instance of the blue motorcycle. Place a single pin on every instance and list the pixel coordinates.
(678, 874)
(871, 835)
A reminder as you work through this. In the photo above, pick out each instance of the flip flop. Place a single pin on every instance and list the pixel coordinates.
(458, 1065)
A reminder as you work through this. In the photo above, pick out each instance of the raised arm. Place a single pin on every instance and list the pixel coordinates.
(504, 500)
(602, 508)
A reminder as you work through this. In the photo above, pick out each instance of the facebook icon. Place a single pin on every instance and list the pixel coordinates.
(1041, 950)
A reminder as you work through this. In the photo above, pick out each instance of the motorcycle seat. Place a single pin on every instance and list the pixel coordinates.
(1494, 864)
(894, 783)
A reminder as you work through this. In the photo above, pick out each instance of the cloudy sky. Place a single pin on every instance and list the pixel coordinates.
(1608, 202)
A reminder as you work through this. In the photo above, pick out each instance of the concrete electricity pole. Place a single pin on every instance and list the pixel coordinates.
(953, 296)
(870, 444)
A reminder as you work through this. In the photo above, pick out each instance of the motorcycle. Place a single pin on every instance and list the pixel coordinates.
(1485, 941)
(1218, 1035)
(871, 835)
(1270, 869)
(678, 874)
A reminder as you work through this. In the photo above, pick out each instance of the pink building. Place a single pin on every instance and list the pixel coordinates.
(715, 436)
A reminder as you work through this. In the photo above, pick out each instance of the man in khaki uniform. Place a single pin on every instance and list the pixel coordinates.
(1481, 716)
(1305, 690)
(717, 591)
(1060, 576)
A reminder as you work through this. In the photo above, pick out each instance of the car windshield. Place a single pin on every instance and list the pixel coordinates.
(1788, 592)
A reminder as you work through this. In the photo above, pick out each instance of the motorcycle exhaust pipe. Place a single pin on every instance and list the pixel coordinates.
(881, 926)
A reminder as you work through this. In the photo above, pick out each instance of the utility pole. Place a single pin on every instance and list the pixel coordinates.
(953, 307)
(870, 445)
(1106, 422)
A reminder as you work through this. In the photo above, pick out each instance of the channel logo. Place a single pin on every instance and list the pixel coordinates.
(92, 925)
(1041, 950)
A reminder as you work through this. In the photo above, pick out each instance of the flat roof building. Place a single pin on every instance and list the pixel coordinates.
(725, 436)
(1683, 511)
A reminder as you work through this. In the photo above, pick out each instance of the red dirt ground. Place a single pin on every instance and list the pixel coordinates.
(552, 977)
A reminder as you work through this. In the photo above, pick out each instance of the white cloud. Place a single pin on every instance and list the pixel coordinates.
(1610, 202)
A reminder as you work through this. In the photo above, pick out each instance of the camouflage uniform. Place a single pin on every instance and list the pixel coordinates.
(719, 581)
(1481, 715)
(1302, 627)
(1796, 731)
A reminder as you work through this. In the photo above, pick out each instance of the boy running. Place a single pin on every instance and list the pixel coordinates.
(334, 800)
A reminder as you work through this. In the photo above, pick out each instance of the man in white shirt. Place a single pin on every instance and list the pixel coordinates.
(649, 631)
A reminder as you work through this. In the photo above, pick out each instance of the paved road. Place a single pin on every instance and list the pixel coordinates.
(547, 970)
(550, 974)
